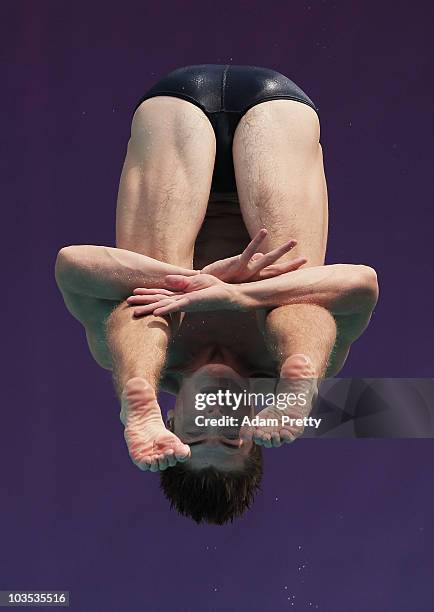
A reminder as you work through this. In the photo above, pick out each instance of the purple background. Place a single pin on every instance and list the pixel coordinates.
(75, 512)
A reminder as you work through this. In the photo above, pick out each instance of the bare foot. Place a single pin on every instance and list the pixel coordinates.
(151, 446)
(298, 377)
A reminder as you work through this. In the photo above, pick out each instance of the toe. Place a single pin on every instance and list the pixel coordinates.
(246, 434)
(171, 459)
(154, 465)
(257, 438)
(182, 453)
(275, 440)
(163, 463)
(266, 440)
(286, 437)
(144, 464)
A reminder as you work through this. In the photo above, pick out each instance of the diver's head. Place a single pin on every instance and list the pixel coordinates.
(219, 481)
(211, 495)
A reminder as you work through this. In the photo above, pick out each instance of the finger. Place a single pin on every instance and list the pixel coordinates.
(288, 266)
(174, 306)
(140, 300)
(272, 256)
(145, 291)
(252, 247)
(140, 311)
(156, 297)
(146, 308)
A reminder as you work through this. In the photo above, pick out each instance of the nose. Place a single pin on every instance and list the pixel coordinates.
(213, 410)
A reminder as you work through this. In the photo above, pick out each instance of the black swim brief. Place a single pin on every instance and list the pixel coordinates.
(225, 93)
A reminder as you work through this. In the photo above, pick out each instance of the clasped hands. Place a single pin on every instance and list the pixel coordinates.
(218, 285)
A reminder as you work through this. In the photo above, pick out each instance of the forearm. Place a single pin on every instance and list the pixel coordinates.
(340, 288)
(109, 273)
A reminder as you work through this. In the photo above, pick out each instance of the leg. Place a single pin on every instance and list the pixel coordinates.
(166, 180)
(138, 348)
(281, 186)
(164, 185)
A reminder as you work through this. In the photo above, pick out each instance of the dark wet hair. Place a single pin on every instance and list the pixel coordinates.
(210, 495)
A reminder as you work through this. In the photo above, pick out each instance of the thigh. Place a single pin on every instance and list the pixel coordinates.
(166, 178)
(280, 176)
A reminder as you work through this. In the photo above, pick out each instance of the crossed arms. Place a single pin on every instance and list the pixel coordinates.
(89, 274)
(341, 288)
(93, 278)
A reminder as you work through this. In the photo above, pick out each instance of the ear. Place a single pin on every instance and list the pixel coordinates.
(169, 420)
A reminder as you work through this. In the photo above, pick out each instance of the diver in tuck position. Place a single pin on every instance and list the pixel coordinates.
(218, 276)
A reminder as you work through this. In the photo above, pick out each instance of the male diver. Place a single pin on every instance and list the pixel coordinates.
(217, 277)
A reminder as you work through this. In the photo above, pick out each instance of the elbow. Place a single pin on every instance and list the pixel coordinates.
(367, 285)
(62, 257)
(64, 260)
(64, 253)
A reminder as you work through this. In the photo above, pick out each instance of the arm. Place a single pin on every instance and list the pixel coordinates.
(93, 279)
(109, 273)
(341, 288)
(350, 292)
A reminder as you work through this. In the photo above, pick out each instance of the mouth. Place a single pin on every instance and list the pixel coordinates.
(233, 442)
(230, 447)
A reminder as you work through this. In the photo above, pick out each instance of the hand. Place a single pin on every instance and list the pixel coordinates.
(252, 265)
(203, 292)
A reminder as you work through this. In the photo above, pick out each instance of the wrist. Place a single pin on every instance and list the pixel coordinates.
(193, 273)
(183, 271)
(240, 298)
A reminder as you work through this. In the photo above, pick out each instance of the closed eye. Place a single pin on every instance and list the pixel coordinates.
(262, 375)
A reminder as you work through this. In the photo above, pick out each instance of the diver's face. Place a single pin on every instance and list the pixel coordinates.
(212, 444)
